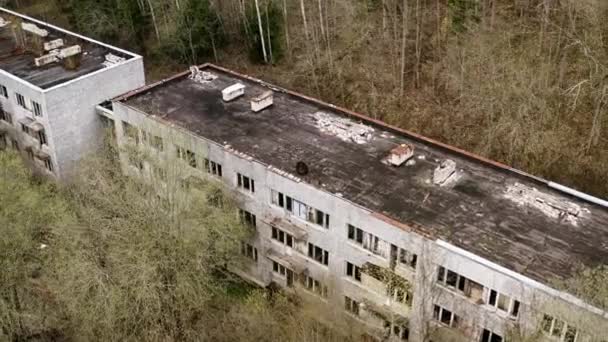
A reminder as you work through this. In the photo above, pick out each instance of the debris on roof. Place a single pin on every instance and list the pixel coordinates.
(400, 155)
(343, 128)
(112, 59)
(445, 172)
(548, 204)
(199, 76)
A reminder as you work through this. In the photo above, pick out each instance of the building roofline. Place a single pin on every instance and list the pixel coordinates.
(569, 192)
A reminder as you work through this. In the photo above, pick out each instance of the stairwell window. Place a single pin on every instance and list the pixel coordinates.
(42, 138)
(21, 100)
(245, 182)
(3, 91)
(318, 254)
(37, 108)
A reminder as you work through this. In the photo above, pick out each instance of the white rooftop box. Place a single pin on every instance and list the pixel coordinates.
(233, 92)
(262, 101)
(400, 154)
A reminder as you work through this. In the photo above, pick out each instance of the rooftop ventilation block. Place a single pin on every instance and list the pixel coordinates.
(262, 101)
(400, 154)
(233, 92)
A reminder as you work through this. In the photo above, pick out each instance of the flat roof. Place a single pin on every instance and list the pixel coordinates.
(503, 215)
(19, 59)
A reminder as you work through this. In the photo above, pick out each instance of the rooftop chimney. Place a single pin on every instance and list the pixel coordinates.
(262, 101)
(53, 44)
(233, 92)
(400, 154)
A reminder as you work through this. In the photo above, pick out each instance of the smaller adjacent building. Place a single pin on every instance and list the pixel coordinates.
(50, 83)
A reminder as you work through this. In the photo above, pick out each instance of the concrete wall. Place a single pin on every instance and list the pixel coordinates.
(430, 253)
(74, 127)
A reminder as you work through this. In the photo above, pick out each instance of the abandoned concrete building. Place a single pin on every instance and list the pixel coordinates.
(407, 235)
(50, 82)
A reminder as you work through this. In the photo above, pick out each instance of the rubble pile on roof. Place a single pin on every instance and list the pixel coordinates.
(548, 204)
(445, 172)
(199, 76)
(343, 128)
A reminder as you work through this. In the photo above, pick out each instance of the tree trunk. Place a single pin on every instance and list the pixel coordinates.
(257, 9)
(403, 45)
(303, 10)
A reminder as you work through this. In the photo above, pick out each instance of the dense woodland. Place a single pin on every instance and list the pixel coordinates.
(523, 82)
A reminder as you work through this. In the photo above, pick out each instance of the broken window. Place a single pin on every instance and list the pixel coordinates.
(212, 167)
(3, 91)
(445, 316)
(7, 117)
(366, 240)
(245, 182)
(459, 283)
(353, 271)
(503, 302)
(351, 305)
(249, 251)
(489, 336)
(313, 285)
(318, 254)
(247, 218)
(48, 164)
(407, 258)
(282, 237)
(130, 131)
(298, 209)
(559, 329)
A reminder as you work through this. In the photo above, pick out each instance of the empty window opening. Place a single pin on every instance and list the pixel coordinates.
(247, 218)
(352, 305)
(245, 182)
(489, 336)
(212, 167)
(353, 271)
(300, 210)
(249, 251)
(318, 254)
(282, 237)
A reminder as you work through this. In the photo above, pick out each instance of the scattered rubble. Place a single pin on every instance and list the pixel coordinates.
(445, 172)
(343, 128)
(199, 76)
(548, 204)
